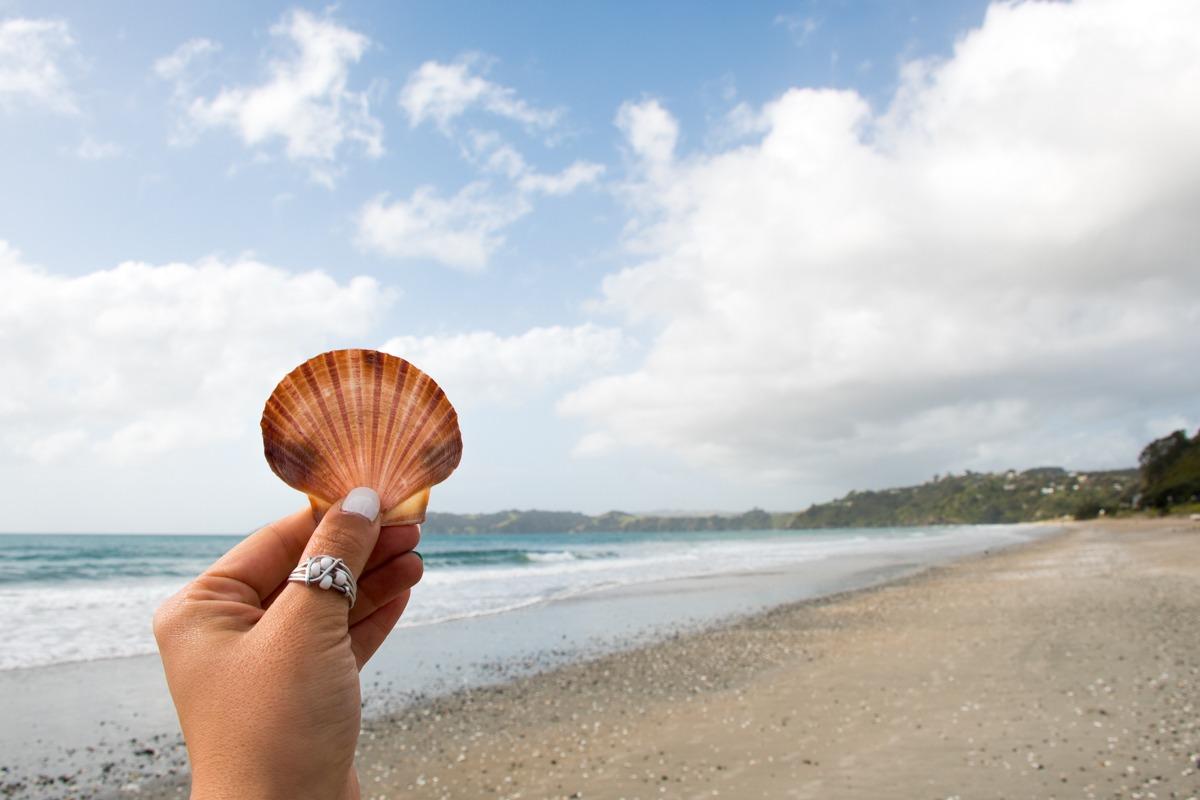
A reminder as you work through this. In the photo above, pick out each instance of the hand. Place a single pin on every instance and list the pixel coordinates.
(264, 673)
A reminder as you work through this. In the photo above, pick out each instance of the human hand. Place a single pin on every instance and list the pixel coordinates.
(264, 673)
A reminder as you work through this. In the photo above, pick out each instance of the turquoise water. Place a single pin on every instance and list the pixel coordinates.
(70, 597)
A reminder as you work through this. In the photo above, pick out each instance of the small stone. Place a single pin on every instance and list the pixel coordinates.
(326, 582)
(314, 569)
(340, 579)
(326, 562)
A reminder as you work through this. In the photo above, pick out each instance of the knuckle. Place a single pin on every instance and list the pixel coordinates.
(340, 535)
(164, 620)
(405, 571)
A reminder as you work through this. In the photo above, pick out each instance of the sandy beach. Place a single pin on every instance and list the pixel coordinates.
(1066, 668)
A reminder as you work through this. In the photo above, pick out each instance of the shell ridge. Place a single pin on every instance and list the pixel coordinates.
(331, 365)
(448, 450)
(388, 439)
(315, 429)
(376, 396)
(403, 394)
(360, 422)
(319, 395)
(444, 462)
(387, 399)
(300, 458)
(431, 467)
(359, 417)
(290, 394)
(404, 459)
(450, 417)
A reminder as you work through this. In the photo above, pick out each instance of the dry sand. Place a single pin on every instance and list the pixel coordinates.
(1069, 668)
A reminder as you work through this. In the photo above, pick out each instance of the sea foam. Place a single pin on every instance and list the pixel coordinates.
(76, 598)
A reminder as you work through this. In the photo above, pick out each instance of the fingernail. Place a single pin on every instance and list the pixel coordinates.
(418, 555)
(362, 501)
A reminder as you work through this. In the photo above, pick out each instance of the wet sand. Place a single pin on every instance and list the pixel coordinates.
(1066, 668)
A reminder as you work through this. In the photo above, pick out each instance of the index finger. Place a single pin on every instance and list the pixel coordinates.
(266, 557)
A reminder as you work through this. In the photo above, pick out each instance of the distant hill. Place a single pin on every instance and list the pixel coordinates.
(515, 521)
(1035, 494)
(975, 498)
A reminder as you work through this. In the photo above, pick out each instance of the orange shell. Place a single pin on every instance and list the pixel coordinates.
(352, 418)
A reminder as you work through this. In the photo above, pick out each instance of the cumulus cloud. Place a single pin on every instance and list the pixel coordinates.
(578, 173)
(440, 93)
(30, 70)
(305, 100)
(482, 367)
(650, 130)
(488, 150)
(464, 230)
(460, 231)
(999, 269)
(141, 360)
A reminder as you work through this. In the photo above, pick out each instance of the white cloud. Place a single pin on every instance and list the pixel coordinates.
(95, 150)
(489, 151)
(460, 231)
(464, 230)
(174, 66)
(30, 71)
(441, 93)
(139, 360)
(999, 270)
(483, 367)
(578, 173)
(305, 100)
(650, 129)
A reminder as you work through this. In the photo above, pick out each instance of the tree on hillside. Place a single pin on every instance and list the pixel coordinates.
(1170, 470)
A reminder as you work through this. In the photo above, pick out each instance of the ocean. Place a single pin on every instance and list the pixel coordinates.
(74, 597)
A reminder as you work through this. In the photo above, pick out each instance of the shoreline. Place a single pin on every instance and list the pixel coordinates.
(1065, 667)
(107, 727)
(526, 699)
(45, 617)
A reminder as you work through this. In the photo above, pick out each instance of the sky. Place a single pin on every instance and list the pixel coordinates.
(668, 256)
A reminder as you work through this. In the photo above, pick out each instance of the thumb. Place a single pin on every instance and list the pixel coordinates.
(348, 531)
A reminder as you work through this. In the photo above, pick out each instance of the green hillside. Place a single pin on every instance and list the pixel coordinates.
(1170, 470)
(1034, 494)
(973, 498)
(1167, 479)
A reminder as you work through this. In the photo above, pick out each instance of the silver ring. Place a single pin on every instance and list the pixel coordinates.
(326, 572)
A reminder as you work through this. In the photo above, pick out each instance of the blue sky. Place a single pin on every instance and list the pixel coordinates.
(671, 256)
(161, 202)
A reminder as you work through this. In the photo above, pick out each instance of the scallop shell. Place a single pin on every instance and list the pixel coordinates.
(352, 418)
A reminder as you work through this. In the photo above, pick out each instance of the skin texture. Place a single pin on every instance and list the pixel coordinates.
(264, 673)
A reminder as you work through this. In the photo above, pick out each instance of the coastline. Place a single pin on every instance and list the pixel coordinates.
(106, 727)
(637, 694)
(1068, 667)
